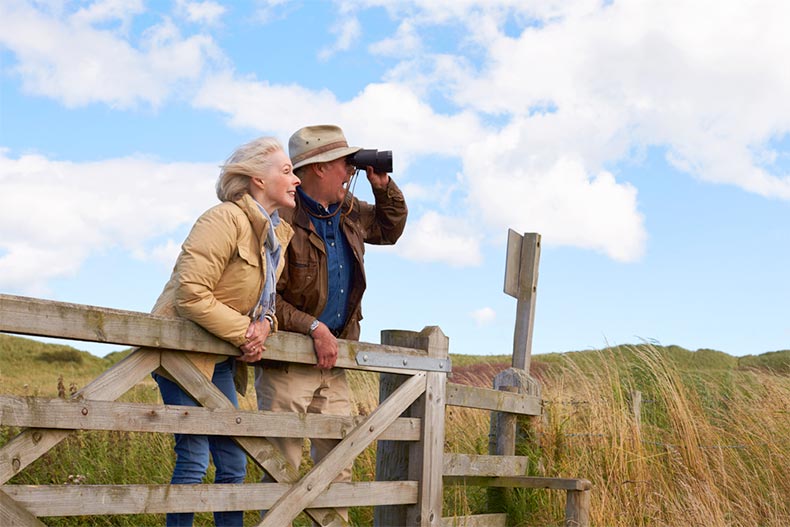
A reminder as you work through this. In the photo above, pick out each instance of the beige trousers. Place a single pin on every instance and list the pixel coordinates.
(303, 388)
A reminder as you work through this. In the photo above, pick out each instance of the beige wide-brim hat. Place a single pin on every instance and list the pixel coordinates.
(318, 144)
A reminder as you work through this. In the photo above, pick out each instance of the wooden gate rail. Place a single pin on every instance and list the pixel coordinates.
(49, 318)
(71, 414)
(96, 500)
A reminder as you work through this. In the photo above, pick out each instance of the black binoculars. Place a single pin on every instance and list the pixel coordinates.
(380, 160)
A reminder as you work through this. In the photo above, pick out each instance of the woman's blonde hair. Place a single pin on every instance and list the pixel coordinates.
(249, 160)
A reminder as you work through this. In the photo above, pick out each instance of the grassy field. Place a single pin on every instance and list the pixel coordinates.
(710, 445)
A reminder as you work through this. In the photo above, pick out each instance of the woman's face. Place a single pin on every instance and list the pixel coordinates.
(280, 183)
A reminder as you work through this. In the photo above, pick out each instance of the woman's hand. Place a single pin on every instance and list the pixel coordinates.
(256, 335)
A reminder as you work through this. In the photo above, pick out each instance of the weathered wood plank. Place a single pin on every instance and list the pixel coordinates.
(294, 347)
(426, 457)
(577, 508)
(78, 500)
(321, 475)
(15, 514)
(32, 443)
(526, 293)
(49, 318)
(496, 400)
(479, 465)
(526, 482)
(137, 417)
(476, 520)
(392, 458)
(266, 455)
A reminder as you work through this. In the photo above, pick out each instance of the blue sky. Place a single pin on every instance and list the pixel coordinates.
(646, 141)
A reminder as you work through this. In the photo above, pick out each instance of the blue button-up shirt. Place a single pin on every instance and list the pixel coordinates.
(339, 261)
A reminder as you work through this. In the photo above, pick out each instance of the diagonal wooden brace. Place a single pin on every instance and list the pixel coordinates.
(265, 454)
(32, 443)
(319, 478)
(12, 514)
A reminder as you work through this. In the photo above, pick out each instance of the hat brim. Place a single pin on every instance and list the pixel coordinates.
(326, 157)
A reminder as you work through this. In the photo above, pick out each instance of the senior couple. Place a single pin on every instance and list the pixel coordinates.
(284, 249)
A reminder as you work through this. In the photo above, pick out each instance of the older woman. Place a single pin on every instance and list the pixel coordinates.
(225, 280)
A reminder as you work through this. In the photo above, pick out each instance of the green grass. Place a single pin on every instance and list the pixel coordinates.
(711, 447)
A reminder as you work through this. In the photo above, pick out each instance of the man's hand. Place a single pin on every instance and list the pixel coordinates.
(325, 345)
(253, 349)
(377, 181)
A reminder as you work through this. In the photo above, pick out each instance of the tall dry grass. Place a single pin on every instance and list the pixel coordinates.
(711, 448)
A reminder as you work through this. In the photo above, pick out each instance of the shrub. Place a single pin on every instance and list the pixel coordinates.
(61, 355)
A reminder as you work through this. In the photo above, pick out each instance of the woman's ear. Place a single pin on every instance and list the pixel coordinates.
(257, 183)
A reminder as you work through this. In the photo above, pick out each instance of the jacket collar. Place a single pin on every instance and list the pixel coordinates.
(259, 223)
(299, 217)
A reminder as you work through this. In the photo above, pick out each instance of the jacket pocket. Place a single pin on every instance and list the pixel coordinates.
(302, 289)
(249, 255)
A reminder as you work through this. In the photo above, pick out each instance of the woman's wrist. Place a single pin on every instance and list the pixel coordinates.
(272, 322)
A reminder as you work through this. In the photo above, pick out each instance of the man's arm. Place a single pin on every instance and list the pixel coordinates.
(292, 319)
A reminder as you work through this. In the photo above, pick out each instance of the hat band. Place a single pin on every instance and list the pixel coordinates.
(320, 150)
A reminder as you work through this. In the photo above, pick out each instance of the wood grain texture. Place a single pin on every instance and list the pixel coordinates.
(301, 494)
(138, 417)
(78, 500)
(266, 455)
(32, 443)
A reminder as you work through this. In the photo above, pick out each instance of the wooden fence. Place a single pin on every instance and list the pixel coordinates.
(412, 467)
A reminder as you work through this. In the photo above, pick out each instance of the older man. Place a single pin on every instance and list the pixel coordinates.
(320, 291)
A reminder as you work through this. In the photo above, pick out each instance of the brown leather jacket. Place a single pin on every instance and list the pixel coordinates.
(302, 288)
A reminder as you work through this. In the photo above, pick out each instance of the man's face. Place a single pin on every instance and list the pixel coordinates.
(339, 175)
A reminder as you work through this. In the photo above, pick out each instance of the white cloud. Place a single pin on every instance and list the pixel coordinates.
(268, 10)
(105, 11)
(704, 80)
(54, 214)
(347, 31)
(405, 43)
(434, 238)
(75, 59)
(206, 12)
(483, 316)
(558, 197)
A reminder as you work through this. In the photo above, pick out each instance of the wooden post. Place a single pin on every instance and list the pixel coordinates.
(503, 434)
(392, 457)
(636, 407)
(577, 508)
(521, 281)
(426, 457)
(422, 461)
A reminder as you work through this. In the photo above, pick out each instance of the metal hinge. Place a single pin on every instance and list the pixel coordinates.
(387, 360)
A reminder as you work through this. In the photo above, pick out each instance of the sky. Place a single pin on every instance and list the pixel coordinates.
(646, 141)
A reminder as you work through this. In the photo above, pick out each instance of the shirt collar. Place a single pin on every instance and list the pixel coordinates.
(313, 205)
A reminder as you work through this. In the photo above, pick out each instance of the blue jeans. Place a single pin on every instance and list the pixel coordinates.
(192, 451)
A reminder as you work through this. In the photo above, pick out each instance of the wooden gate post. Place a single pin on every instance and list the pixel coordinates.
(521, 281)
(421, 461)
